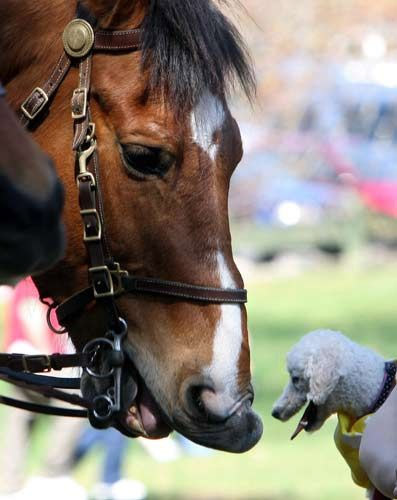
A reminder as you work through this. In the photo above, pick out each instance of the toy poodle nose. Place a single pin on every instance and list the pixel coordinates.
(276, 413)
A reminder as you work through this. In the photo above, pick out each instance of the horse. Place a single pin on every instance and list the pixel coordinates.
(155, 153)
(31, 199)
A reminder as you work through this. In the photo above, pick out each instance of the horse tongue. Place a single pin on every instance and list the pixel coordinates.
(151, 418)
(306, 420)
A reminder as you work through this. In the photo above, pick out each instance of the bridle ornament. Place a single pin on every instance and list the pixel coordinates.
(103, 357)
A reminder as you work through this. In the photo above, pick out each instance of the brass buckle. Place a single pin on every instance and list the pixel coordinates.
(81, 91)
(33, 114)
(92, 211)
(117, 275)
(106, 270)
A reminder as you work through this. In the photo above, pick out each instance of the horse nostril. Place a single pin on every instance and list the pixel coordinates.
(276, 413)
(215, 407)
(195, 402)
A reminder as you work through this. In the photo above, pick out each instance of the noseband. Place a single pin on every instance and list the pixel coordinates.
(107, 280)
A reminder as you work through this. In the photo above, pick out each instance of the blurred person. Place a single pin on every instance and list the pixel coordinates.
(112, 485)
(27, 332)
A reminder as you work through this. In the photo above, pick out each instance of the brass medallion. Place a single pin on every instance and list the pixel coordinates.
(78, 38)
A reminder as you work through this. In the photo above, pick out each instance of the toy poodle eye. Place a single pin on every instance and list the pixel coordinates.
(295, 380)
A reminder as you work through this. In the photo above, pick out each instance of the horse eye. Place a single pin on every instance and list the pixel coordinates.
(295, 380)
(145, 160)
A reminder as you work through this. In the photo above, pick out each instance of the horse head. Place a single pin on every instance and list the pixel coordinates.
(167, 146)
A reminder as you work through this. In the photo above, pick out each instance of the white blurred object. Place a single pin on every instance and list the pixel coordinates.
(289, 213)
(162, 450)
(374, 46)
(49, 488)
(125, 489)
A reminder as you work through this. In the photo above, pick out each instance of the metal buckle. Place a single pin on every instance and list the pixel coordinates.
(33, 114)
(106, 270)
(84, 154)
(45, 357)
(90, 132)
(80, 178)
(117, 274)
(76, 95)
(95, 237)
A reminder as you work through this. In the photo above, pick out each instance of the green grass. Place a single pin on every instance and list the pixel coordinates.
(359, 302)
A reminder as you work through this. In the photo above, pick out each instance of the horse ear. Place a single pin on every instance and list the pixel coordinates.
(323, 375)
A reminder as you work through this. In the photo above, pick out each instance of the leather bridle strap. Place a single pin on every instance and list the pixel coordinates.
(42, 363)
(117, 40)
(104, 41)
(43, 409)
(40, 97)
(47, 391)
(172, 289)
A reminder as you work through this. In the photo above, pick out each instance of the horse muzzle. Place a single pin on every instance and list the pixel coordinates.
(236, 433)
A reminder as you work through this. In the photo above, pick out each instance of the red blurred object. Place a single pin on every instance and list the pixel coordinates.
(380, 195)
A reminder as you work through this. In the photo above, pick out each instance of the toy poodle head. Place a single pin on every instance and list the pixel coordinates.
(315, 368)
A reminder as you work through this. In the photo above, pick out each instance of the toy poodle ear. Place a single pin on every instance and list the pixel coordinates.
(323, 375)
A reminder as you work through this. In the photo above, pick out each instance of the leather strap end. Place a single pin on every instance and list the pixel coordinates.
(117, 40)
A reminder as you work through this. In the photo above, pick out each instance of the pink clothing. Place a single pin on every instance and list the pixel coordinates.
(16, 333)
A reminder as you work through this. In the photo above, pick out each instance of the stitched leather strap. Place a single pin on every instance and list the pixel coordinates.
(40, 97)
(107, 40)
(181, 291)
(42, 362)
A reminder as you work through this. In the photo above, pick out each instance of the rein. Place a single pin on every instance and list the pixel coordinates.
(81, 40)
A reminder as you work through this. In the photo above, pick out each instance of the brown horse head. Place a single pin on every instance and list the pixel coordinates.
(167, 146)
(31, 200)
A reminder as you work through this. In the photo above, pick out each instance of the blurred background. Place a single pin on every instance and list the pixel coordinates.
(314, 222)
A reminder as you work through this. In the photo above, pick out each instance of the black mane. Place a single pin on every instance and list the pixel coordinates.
(189, 47)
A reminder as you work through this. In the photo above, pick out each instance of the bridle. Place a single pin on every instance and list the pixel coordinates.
(103, 357)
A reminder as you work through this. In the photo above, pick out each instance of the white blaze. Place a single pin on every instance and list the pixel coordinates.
(228, 338)
(207, 117)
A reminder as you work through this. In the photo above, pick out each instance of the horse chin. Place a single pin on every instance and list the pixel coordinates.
(237, 434)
